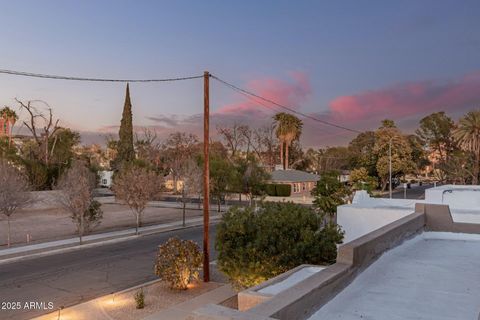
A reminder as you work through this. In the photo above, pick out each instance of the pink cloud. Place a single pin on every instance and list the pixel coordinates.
(290, 93)
(405, 100)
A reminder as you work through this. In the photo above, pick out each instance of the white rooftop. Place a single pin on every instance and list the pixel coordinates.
(463, 197)
(457, 187)
(433, 276)
(362, 199)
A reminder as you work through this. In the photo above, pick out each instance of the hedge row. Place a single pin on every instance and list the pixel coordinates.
(278, 190)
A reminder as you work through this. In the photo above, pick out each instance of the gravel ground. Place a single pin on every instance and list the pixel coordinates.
(157, 297)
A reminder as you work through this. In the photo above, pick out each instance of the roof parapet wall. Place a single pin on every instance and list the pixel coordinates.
(439, 218)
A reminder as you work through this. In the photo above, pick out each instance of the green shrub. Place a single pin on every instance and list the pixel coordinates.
(329, 193)
(283, 190)
(360, 180)
(37, 174)
(278, 190)
(270, 190)
(178, 262)
(140, 299)
(91, 218)
(255, 245)
(94, 215)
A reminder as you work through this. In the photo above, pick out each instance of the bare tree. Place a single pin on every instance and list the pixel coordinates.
(264, 143)
(147, 147)
(14, 193)
(234, 137)
(42, 127)
(192, 177)
(76, 196)
(177, 148)
(135, 186)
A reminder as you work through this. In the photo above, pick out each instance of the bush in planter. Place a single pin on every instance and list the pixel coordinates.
(257, 244)
(178, 262)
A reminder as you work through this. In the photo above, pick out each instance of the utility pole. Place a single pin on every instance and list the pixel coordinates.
(390, 166)
(206, 176)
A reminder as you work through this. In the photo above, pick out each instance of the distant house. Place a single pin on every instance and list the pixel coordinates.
(302, 182)
(170, 183)
(344, 176)
(105, 178)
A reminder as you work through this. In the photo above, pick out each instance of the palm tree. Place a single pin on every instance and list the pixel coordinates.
(467, 135)
(288, 129)
(9, 117)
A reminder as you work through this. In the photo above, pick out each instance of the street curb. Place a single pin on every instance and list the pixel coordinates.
(36, 253)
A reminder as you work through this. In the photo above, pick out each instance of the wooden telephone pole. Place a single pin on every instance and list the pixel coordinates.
(206, 177)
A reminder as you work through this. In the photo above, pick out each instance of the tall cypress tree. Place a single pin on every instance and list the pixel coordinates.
(126, 152)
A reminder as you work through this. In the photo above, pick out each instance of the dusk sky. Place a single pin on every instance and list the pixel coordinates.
(349, 62)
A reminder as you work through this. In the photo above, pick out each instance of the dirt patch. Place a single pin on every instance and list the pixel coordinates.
(55, 224)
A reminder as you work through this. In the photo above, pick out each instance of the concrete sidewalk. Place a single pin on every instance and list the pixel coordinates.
(53, 247)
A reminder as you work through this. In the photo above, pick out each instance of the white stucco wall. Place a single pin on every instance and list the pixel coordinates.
(357, 221)
(463, 201)
(456, 196)
(367, 214)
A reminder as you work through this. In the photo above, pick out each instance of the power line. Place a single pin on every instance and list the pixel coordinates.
(263, 104)
(57, 77)
(231, 86)
(255, 100)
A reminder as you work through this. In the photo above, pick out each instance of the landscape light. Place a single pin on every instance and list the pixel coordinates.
(60, 312)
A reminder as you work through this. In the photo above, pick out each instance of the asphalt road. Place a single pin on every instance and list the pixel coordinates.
(73, 277)
(416, 192)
